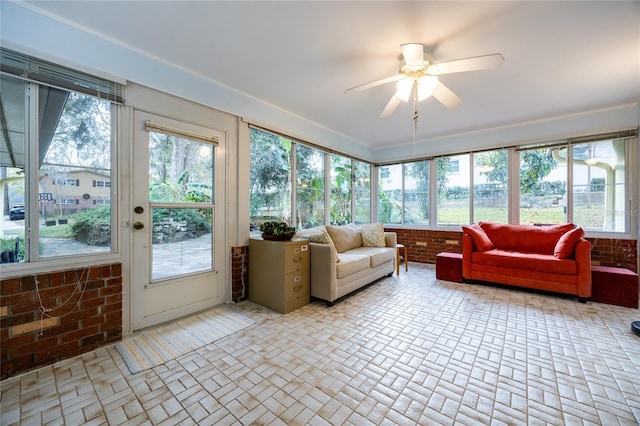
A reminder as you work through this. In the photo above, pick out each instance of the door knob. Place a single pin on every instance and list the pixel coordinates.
(138, 209)
(138, 225)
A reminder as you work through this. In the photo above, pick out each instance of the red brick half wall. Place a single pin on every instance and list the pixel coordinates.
(53, 316)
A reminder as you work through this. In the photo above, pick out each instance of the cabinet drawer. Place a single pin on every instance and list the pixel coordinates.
(296, 286)
(296, 258)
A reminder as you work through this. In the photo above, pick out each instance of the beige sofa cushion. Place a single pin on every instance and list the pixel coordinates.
(344, 237)
(351, 263)
(372, 235)
(377, 255)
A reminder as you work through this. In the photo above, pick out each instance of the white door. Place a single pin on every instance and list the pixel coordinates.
(178, 234)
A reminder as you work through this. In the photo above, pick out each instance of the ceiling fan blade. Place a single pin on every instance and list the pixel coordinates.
(375, 83)
(391, 106)
(468, 64)
(445, 96)
(413, 54)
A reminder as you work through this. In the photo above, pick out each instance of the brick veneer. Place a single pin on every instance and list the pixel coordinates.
(239, 273)
(604, 252)
(88, 320)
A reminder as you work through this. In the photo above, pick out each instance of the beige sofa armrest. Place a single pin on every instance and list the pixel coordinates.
(323, 270)
(390, 239)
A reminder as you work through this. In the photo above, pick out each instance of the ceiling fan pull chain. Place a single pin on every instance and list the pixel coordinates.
(415, 122)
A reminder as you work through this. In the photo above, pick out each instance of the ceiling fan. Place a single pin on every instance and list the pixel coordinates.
(419, 76)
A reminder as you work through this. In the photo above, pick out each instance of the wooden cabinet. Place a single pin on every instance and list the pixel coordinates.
(279, 273)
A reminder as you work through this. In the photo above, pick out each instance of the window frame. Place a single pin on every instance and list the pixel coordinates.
(33, 263)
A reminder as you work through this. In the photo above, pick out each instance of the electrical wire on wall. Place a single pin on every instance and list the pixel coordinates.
(46, 311)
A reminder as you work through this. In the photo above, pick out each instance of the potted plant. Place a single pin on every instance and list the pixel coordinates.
(280, 231)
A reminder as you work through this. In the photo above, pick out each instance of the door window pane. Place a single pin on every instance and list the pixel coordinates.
(180, 173)
(310, 187)
(416, 192)
(543, 183)
(490, 186)
(181, 241)
(180, 170)
(454, 177)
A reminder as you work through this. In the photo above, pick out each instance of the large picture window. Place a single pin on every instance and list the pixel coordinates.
(321, 179)
(47, 172)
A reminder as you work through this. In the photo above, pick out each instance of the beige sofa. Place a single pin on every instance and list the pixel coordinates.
(346, 258)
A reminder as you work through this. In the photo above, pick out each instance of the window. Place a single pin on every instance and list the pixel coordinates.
(416, 192)
(270, 178)
(310, 187)
(341, 190)
(390, 187)
(74, 144)
(66, 182)
(599, 190)
(102, 184)
(362, 192)
(491, 186)
(543, 186)
(321, 179)
(454, 179)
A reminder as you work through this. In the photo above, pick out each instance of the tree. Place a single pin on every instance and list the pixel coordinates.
(420, 172)
(535, 165)
(269, 170)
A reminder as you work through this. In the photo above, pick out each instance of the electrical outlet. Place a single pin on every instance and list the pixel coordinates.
(421, 243)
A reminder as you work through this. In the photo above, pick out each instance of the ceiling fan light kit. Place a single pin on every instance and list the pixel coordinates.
(419, 76)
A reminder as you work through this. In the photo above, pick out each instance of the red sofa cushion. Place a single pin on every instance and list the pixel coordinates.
(526, 261)
(566, 245)
(481, 241)
(525, 238)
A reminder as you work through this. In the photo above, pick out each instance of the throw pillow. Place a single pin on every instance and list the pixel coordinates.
(344, 237)
(566, 245)
(317, 237)
(373, 235)
(480, 239)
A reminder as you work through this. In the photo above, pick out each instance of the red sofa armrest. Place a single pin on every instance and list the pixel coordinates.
(583, 261)
(467, 250)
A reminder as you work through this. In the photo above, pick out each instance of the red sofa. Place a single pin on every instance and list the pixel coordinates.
(554, 258)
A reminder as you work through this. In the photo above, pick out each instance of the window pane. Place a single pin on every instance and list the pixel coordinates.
(416, 192)
(12, 170)
(390, 194)
(490, 186)
(599, 201)
(180, 170)
(362, 192)
(340, 190)
(453, 190)
(310, 187)
(543, 183)
(75, 146)
(181, 241)
(270, 183)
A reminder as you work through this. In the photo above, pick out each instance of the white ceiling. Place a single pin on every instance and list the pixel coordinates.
(561, 58)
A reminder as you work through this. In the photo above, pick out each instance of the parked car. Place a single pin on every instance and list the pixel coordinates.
(16, 213)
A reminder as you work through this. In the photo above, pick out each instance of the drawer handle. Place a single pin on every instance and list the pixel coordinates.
(297, 288)
(297, 279)
(297, 259)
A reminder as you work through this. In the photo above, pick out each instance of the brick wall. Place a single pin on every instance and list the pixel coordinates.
(423, 246)
(239, 273)
(604, 251)
(90, 318)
